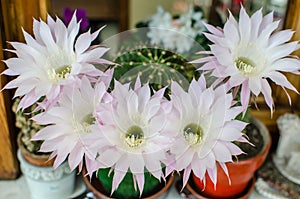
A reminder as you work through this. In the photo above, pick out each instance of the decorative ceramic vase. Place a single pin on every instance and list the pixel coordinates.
(101, 192)
(47, 183)
(241, 172)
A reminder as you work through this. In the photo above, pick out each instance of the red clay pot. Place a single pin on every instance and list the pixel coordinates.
(241, 172)
(41, 160)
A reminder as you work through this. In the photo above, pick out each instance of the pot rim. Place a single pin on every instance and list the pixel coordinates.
(267, 142)
(42, 159)
(247, 193)
(87, 180)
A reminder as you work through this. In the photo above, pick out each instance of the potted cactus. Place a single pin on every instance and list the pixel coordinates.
(158, 115)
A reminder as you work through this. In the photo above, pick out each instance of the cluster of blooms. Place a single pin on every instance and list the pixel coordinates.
(136, 129)
(163, 29)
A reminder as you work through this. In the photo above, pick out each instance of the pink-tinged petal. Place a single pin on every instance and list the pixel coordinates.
(50, 22)
(36, 31)
(117, 179)
(76, 156)
(17, 65)
(233, 112)
(255, 85)
(212, 173)
(234, 149)
(136, 163)
(153, 165)
(283, 50)
(203, 53)
(60, 158)
(53, 93)
(83, 42)
(123, 164)
(280, 37)
(244, 140)
(244, 25)
(9, 72)
(45, 119)
(213, 30)
(209, 66)
(93, 55)
(203, 60)
(196, 87)
(266, 21)
(143, 96)
(198, 169)
(287, 94)
(46, 33)
(140, 179)
(230, 134)
(222, 154)
(179, 146)
(60, 33)
(28, 100)
(201, 83)
(109, 157)
(279, 79)
(170, 168)
(256, 19)
(236, 124)
(186, 175)
(30, 41)
(224, 168)
(52, 155)
(176, 89)
(245, 96)
(102, 61)
(231, 70)
(212, 38)
(235, 80)
(222, 54)
(49, 145)
(96, 33)
(208, 160)
(287, 65)
(184, 159)
(106, 77)
(91, 165)
(263, 38)
(49, 132)
(230, 30)
(41, 89)
(25, 89)
(156, 123)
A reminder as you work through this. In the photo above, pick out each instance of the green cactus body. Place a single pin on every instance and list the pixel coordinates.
(155, 66)
(126, 188)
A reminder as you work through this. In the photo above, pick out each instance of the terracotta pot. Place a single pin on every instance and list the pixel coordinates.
(96, 187)
(244, 195)
(240, 172)
(37, 160)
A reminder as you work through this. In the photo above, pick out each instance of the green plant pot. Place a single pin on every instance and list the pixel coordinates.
(126, 188)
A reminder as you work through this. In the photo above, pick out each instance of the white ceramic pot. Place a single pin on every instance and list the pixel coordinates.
(47, 183)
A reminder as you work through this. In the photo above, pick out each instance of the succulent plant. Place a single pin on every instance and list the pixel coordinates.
(27, 126)
(154, 65)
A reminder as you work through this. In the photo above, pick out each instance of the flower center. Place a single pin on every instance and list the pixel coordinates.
(60, 73)
(134, 137)
(244, 65)
(84, 125)
(193, 133)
